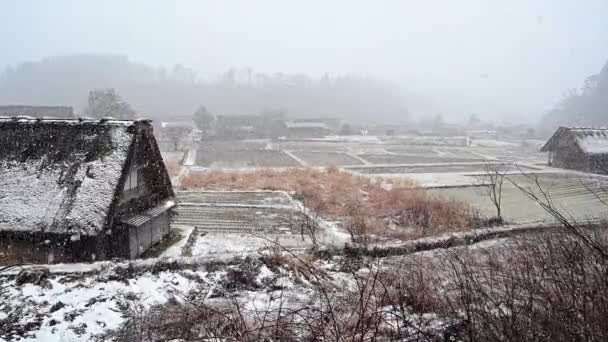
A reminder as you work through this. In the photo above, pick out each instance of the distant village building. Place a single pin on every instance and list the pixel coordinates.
(80, 190)
(307, 129)
(334, 124)
(37, 111)
(583, 149)
(238, 126)
(178, 135)
(483, 134)
(235, 127)
(391, 130)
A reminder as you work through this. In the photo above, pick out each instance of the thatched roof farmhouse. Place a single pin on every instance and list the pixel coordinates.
(583, 149)
(73, 190)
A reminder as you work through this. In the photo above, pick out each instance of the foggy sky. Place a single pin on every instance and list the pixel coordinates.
(492, 58)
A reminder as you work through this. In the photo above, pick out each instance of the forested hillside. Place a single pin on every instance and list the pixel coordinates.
(158, 92)
(587, 106)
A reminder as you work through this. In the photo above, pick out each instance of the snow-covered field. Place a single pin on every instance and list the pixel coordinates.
(567, 191)
(368, 150)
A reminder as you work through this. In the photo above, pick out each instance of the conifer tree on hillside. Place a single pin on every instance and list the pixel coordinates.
(203, 120)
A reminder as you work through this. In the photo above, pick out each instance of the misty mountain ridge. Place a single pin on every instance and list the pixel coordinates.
(587, 106)
(161, 94)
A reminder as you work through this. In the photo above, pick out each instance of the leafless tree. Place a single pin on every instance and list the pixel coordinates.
(494, 175)
(309, 221)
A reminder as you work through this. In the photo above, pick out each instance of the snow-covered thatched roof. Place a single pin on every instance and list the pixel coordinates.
(61, 176)
(589, 140)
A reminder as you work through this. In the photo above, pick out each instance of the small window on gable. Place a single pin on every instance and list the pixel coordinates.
(132, 180)
(140, 176)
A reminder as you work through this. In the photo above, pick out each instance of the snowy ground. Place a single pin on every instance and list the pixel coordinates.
(80, 307)
(66, 308)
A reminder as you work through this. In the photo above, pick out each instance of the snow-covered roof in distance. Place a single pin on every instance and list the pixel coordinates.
(590, 140)
(177, 124)
(60, 176)
(305, 124)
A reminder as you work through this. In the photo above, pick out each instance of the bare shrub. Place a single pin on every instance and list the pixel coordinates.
(308, 221)
(375, 307)
(201, 321)
(549, 287)
(546, 287)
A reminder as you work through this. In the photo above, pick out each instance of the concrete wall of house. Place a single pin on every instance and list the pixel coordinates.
(148, 234)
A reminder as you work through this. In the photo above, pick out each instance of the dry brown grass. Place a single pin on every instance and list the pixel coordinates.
(173, 167)
(367, 207)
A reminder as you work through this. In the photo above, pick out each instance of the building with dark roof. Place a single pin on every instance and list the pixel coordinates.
(79, 190)
(230, 127)
(37, 111)
(583, 149)
(307, 129)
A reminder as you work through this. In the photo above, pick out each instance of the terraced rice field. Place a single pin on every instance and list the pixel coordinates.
(412, 150)
(225, 219)
(569, 193)
(244, 158)
(414, 159)
(233, 223)
(408, 169)
(264, 212)
(511, 154)
(326, 158)
(312, 146)
(244, 198)
(381, 151)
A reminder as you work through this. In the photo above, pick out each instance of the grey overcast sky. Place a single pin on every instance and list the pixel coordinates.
(491, 57)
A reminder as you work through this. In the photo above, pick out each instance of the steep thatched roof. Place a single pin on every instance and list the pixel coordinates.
(592, 141)
(61, 176)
